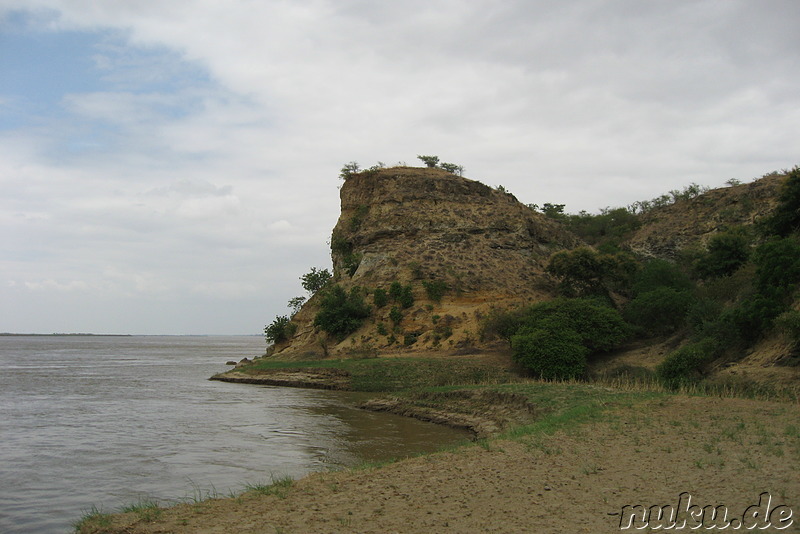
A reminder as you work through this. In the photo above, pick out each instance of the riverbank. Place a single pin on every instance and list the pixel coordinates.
(585, 452)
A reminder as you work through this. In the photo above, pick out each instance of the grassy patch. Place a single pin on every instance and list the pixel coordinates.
(147, 510)
(278, 486)
(395, 374)
(92, 521)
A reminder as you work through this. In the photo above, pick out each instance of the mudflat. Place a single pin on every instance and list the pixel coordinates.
(740, 457)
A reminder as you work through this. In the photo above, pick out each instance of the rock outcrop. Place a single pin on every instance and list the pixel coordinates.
(690, 223)
(417, 227)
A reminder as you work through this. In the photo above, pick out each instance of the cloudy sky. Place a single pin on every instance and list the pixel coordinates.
(171, 167)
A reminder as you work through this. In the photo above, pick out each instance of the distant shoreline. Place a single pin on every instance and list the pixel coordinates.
(8, 334)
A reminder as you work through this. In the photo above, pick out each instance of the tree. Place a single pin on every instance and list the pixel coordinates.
(295, 304)
(341, 313)
(726, 253)
(280, 329)
(429, 161)
(348, 170)
(315, 279)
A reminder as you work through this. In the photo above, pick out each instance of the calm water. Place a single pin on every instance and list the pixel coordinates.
(106, 421)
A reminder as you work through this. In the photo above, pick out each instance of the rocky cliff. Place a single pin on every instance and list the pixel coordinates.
(426, 227)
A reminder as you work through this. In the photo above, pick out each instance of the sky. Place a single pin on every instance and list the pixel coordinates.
(171, 167)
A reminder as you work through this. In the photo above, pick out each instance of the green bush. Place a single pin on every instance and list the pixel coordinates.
(789, 322)
(660, 311)
(280, 329)
(395, 315)
(778, 264)
(550, 354)
(600, 327)
(660, 273)
(341, 313)
(785, 219)
(379, 298)
(754, 315)
(685, 365)
(500, 323)
(585, 272)
(315, 279)
(726, 253)
(435, 289)
(401, 294)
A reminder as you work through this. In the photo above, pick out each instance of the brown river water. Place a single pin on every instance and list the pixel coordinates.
(107, 421)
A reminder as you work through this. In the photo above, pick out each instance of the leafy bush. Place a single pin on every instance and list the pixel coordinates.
(790, 323)
(778, 264)
(341, 313)
(600, 327)
(401, 294)
(435, 289)
(315, 279)
(429, 161)
(585, 272)
(379, 298)
(785, 219)
(550, 354)
(726, 253)
(754, 315)
(500, 323)
(348, 170)
(395, 315)
(660, 273)
(280, 329)
(659, 311)
(685, 364)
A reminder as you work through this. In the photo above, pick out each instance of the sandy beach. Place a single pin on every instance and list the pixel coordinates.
(731, 452)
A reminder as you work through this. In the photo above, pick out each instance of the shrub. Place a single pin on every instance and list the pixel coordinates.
(550, 354)
(500, 323)
(429, 161)
(280, 329)
(315, 279)
(754, 315)
(401, 294)
(660, 311)
(685, 364)
(660, 273)
(395, 315)
(381, 327)
(785, 219)
(600, 327)
(379, 298)
(778, 264)
(341, 313)
(435, 289)
(348, 170)
(726, 253)
(585, 272)
(351, 262)
(789, 322)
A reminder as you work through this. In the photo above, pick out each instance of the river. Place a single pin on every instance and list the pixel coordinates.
(105, 421)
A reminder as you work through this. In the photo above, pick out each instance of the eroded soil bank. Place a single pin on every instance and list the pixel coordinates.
(576, 478)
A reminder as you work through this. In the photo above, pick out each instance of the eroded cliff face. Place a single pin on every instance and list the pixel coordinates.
(688, 224)
(419, 227)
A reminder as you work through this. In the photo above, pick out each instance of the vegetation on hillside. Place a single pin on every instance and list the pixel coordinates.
(717, 301)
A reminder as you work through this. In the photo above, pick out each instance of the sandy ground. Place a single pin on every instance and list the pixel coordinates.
(720, 451)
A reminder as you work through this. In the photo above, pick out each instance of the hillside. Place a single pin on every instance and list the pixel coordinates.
(421, 257)
(478, 247)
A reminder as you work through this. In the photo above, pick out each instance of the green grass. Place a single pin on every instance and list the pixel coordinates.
(147, 509)
(93, 520)
(395, 374)
(277, 486)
